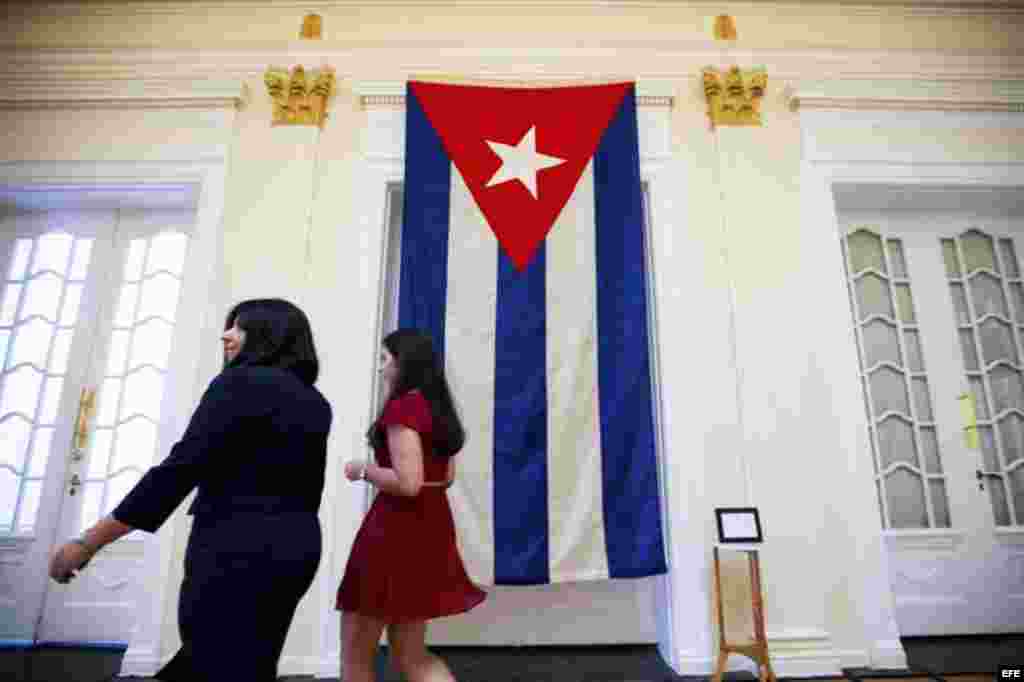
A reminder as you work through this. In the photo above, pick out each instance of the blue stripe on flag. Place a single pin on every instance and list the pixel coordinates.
(632, 512)
(520, 424)
(423, 282)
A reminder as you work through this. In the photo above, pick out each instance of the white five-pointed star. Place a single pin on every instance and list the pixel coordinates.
(521, 162)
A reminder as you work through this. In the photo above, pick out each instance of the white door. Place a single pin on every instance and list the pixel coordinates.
(599, 612)
(89, 318)
(938, 302)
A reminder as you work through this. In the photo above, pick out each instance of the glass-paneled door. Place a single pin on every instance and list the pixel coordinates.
(938, 305)
(87, 325)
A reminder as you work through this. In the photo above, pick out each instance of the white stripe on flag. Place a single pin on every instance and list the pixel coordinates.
(575, 515)
(469, 351)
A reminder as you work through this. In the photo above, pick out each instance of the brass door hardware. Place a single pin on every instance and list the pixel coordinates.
(86, 405)
(968, 413)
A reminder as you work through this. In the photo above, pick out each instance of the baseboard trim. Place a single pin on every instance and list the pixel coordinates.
(330, 664)
(305, 665)
(802, 656)
(806, 652)
(888, 654)
(853, 658)
(814, 664)
(811, 661)
(97, 646)
(141, 662)
(857, 674)
(692, 663)
(811, 665)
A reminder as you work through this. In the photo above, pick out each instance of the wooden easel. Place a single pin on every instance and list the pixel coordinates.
(758, 649)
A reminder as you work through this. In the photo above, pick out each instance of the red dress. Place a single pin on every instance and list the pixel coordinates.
(404, 564)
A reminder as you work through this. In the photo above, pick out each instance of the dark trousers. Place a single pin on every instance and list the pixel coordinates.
(244, 577)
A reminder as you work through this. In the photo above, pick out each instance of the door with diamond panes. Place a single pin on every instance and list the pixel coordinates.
(938, 304)
(90, 313)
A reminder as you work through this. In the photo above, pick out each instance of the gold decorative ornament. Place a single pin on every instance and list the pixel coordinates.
(734, 97)
(312, 27)
(725, 27)
(300, 99)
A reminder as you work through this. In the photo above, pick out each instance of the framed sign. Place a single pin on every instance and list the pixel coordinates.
(738, 524)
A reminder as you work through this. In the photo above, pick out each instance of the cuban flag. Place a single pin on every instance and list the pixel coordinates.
(522, 253)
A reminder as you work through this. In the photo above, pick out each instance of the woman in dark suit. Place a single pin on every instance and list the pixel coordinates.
(256, 448)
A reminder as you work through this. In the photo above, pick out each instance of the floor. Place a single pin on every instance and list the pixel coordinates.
(949, 659)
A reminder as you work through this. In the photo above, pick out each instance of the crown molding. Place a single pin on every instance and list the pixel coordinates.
(850, 94)
(908, 95)
(376, 94)
(54, 68)
(136, 93)
(111, 8)
(810, 79)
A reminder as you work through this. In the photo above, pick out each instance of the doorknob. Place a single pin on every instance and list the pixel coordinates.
(76, 483)
(980, 475)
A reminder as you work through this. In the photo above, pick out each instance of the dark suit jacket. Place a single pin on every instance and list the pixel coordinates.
(257, 442)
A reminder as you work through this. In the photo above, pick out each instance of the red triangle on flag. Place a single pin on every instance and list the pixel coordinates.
(521, 151)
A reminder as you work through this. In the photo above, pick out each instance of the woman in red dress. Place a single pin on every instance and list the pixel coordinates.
(405, 568)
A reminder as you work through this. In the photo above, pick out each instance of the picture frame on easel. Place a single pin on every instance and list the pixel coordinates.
(739, 525)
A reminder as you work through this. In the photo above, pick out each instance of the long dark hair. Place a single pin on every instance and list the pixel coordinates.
(277, 334)
(419, 368)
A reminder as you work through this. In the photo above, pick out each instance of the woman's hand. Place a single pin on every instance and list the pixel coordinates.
(354, 469)
(70, 558)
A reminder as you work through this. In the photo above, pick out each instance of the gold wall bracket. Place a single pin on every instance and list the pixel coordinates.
(300, 98)
(734, 97)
